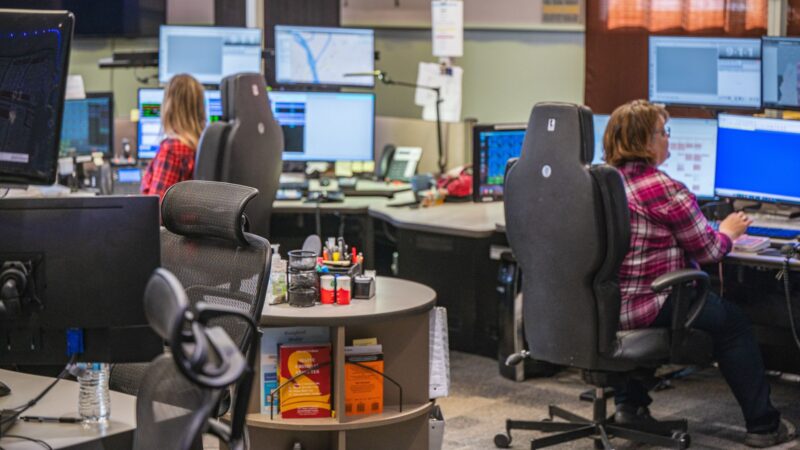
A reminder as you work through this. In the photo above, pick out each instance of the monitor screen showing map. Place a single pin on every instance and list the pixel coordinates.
(322, 56)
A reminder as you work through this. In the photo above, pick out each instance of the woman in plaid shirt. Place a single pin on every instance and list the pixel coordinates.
(669, 232)
(183, 118)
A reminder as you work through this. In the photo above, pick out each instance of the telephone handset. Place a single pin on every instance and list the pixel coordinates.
(399, 163)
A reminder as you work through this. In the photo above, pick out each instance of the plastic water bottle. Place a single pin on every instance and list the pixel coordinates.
(94, 401)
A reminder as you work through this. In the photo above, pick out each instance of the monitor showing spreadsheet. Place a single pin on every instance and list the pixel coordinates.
(758, 158)
(150, 133)
(492, 147)
(88, 126)
(325, 126)
(207, 53)
(703, 71)
(315, 55)
(780, 60)
(692, 152)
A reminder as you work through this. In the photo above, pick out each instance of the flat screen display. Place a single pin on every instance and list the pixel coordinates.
(780, 59)
(493, 146)
(88, 126)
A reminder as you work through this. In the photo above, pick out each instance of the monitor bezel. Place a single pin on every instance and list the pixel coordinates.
(712, 106)
(294, 85)
(764, 104)
(476, 153)
(372, 139)
(161, 54)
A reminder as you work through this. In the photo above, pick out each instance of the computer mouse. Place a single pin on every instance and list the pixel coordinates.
(4, 390)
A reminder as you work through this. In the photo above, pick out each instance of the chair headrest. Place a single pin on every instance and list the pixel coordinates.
(546, 121)
(207, 209)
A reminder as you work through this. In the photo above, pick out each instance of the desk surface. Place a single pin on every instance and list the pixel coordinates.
(62, 401)
(393, 297)
(475, 220)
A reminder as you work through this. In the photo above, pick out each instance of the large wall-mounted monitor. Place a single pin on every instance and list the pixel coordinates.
(326, 126)
(208, 53)
(150, 134)
(780, 61)
(758, 159)
(492, 147)
(34, 59)
(323, 56)
(88, 126)
(105, 18)
(702, 71)
(692, 148)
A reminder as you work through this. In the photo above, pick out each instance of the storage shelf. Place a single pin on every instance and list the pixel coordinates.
(389, 416)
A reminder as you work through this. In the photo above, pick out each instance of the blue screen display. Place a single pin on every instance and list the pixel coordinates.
(758, 159)
(495, 147)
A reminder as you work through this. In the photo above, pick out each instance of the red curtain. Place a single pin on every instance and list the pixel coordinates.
(617, 32)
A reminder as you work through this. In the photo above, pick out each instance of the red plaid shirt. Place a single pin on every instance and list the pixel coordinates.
(173, 163)
(668, 232)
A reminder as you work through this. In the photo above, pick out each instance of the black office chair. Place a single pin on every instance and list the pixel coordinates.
(569, 227)
(180, 390)
(245, 147)
(204, 244)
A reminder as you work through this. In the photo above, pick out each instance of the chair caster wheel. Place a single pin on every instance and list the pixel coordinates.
(684, 440)
(502, 440)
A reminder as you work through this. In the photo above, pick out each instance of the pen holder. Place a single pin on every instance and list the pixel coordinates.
(302, 278)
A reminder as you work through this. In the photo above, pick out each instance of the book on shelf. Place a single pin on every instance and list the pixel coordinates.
(309, 394)
(363, 387)
(271, 339)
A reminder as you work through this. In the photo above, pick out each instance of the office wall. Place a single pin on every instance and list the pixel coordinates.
(505, 72)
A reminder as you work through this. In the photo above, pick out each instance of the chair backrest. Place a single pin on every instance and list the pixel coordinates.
(569, 228)
(245, 147)
(204, 245)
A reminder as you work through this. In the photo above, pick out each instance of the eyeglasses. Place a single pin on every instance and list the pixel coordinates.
(664, 132)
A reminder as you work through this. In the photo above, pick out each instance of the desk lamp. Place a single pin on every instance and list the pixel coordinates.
(383, 77)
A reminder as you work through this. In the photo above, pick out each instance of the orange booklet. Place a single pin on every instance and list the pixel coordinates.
(308, 395)
(363, 388)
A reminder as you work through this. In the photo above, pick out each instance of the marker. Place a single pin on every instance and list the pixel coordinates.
(42, 419)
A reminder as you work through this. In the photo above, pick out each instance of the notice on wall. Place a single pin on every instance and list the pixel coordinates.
(449, 83)
(447, 17)
(561, 11)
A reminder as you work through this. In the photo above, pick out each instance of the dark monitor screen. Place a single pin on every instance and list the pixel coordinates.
(225, 51)
(758, 158)
(316, 55)
(89, 260)
(692, 148)
(492, 147)
(780, 59)
(149, 132)
(714, 72)
(325, 126)
(106, 18)
(88, 126)
(34, 55)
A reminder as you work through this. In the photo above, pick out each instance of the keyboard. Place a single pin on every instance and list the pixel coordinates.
(776, 233)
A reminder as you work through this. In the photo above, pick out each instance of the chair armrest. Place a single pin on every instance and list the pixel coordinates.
(685, 314)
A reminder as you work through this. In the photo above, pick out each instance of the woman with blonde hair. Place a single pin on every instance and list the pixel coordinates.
(668, 232)
(183, 118)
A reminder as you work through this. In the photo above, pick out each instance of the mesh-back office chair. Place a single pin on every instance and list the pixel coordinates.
(180, 390)
(203, 243)
(245, 147)
(569, 228)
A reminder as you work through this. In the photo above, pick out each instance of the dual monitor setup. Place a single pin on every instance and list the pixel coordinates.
(734, 156)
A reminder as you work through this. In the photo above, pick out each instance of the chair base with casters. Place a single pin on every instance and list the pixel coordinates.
(601, 427)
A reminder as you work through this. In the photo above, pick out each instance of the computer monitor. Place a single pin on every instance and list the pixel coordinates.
(492, 147)
(314, 55)
(88, 260)
(692, 148)
(149, 130)
(780, 64)
(88, 126)
(713, 72)
(758, 158)
(34, 57)
(325, 126)
(207, 53)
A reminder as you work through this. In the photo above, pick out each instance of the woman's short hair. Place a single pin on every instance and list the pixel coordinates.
(629, 130)
(183, 113)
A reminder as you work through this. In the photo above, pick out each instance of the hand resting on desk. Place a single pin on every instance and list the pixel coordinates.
(735, 225)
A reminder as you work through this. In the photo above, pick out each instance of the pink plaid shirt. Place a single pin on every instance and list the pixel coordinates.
(668, 232)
